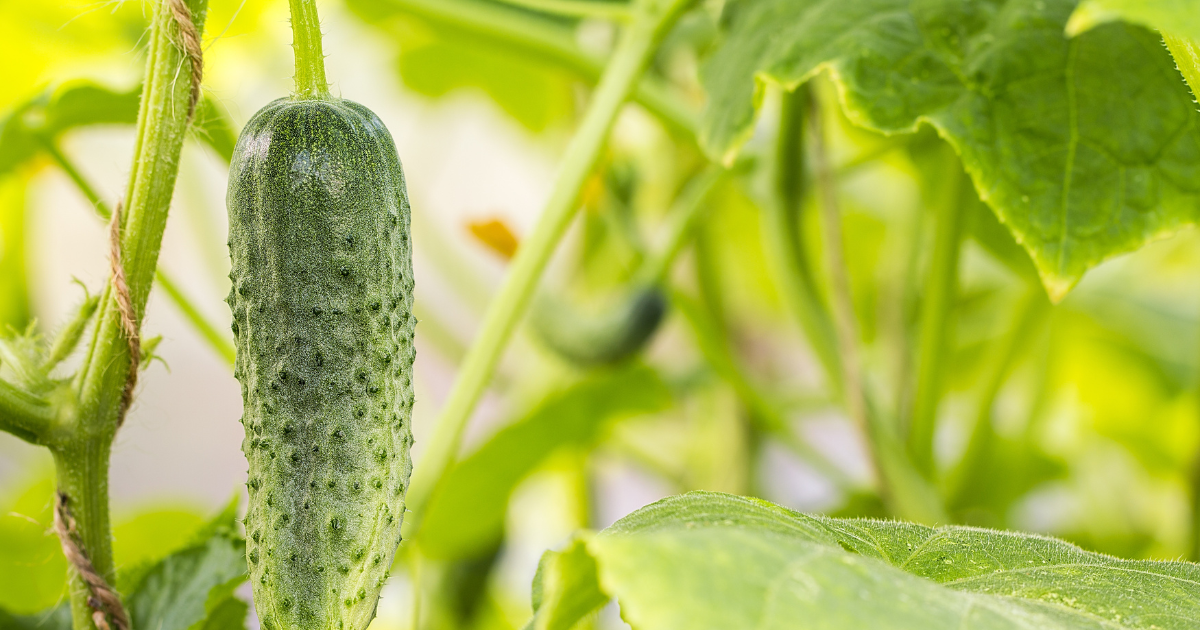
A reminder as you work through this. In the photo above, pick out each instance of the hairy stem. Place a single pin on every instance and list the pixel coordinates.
(941, 291)
(25, 415)
(595, 9)
(306, 42)
(82, 462)
(545, 40)
(637, 45)
(906, 492)
(784, 242)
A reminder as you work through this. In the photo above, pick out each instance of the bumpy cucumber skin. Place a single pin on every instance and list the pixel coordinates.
(322, 301)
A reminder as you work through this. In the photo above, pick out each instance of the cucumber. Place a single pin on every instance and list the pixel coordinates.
(611, 332)
(322, 296)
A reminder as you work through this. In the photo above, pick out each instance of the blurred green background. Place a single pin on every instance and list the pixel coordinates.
(1093, 400)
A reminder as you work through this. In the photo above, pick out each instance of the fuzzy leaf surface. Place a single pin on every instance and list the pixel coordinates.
(1085, 147)
(707, 560)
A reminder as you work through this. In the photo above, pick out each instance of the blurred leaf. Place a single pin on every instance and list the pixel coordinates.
(467, 513)
(706, 560)
(440, 53)
(1181, 17)
(152, 534)
(32, 569)
(1085, 148)
(43, 119)
(189, 587)
(565, 587)
(57, 618)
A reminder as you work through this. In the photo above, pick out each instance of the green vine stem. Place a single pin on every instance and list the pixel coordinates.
(683, 217)
(784, 242)
(211, 334)
(81, 460)
(306, 42)
(551, 41)
(908, 495)
(977, 459)
(638, 44)
(25, 415)
(941, 291)
(595, 9)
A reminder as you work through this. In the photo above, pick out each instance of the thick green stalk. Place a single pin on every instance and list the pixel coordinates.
(545, 40)
(908, 495)
(595, 9)
(306, 42)
(82, 462)
(638, 44)
(784, 242)
(941, 291)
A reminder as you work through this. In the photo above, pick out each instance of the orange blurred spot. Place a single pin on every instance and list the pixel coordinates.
(496, 235)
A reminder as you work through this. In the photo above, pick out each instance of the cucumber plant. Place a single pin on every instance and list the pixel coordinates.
(1049, 133)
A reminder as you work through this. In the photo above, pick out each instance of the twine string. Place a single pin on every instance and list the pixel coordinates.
(102, 599)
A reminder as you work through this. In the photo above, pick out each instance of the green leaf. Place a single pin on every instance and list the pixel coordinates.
(1181, 17)
(192, 588)
(25, 131)
(440, 54)
(467, 512)
(565, 587)
(1085, 148)
(707, 560)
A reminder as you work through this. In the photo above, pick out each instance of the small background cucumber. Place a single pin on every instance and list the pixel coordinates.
(609, 333)
(322, 301)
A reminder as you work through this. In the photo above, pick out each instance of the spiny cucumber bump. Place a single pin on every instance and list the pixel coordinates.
(322, 295)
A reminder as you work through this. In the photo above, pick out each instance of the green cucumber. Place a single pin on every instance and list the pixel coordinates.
(322, 302)
(609, 333)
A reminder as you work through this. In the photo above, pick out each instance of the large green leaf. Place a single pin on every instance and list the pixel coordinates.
(467, 513)
(1084, 147)
(1181, 17)
(706, 560)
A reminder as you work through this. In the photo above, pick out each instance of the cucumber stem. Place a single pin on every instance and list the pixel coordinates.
(637, 45)
(936, 314)
(306, 42)
(82, 462)
(688, 207)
